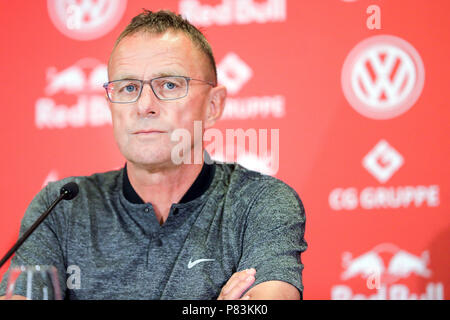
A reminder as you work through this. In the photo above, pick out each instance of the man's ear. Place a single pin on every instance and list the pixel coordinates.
(216, 105)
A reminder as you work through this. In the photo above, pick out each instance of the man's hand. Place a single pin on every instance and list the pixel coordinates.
(237, 285)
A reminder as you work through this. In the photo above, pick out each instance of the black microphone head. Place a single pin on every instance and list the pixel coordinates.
(70, 190)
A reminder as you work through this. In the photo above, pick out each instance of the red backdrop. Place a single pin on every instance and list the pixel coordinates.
(358, 91)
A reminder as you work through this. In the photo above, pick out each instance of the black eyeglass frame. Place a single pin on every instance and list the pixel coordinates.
(143, 82)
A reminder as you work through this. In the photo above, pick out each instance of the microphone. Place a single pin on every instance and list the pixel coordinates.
(67, 192)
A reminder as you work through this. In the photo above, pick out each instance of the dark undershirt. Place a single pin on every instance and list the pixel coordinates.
(200, 185)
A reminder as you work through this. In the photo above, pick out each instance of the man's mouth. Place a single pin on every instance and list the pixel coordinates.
(149, 132)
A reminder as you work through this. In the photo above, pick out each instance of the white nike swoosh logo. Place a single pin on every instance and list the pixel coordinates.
(193, 263)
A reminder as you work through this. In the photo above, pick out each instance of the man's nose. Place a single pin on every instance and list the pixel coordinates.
(148, 103)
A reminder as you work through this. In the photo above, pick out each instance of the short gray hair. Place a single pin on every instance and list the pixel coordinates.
(164, 20)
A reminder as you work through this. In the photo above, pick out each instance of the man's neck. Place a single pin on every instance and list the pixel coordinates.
(163, 187)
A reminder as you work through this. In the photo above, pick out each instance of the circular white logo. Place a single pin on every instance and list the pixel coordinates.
(85, 19)
(382, 77)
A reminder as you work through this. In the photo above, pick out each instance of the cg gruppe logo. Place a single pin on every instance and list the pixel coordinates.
(85, 19)
(382, 77)
(383, 268)
(382, 162)
(235, 73)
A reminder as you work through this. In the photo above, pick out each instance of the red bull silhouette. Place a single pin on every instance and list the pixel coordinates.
(364, 265)
(403, 264)
(70, 81)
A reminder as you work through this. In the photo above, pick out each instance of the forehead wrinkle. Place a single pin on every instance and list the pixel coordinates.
(132, 56)
(165, 69)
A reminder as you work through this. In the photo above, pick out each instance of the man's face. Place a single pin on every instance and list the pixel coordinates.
(145, 56)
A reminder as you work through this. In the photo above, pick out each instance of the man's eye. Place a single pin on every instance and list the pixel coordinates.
(130, 88)
(169, 85)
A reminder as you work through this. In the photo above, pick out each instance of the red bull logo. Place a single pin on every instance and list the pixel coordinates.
(364, 265)
(404, 264)
(382, 274)
(83, 81)
(233, 12)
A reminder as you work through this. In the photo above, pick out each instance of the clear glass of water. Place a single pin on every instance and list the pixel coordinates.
(39, 282)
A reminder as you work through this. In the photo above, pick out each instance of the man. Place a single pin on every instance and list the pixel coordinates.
(158, 228)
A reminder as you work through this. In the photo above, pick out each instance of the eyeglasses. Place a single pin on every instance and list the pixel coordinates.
(164, 88)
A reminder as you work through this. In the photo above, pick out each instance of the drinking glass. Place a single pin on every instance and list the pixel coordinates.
(39, 282)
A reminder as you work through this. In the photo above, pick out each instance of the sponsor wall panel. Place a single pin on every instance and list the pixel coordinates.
(357, 116)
